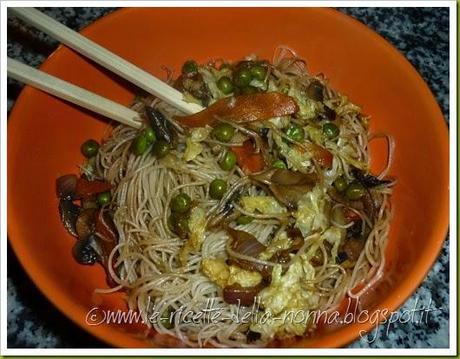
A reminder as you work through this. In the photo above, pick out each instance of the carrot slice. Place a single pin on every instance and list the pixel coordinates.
(85, 188)
(320, 154)
(243, 109)
(247, 159)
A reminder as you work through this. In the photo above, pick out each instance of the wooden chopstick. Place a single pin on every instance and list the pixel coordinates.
(72, 93)
(105, 58)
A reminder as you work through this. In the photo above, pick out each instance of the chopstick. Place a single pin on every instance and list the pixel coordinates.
(72, 93)
(105, 58)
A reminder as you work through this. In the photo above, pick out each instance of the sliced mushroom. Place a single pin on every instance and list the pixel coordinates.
(159, 124)
(315, 90)
(84, 250)
(287, 186)
(367, 180)
(69, 213)
(195, 85)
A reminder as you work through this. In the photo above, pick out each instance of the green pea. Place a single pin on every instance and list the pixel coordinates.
(161, 148)
(89, 148)
(181, 203)
(355, 191)
(242, 77)
(296, 133)
(178, 223)
(140, 144)
(217, 188)
(241, 220)
(104, 198)
(229, 161)
(330, 130)
(225, 85)
(223, 132)
(259, 72)
(150, 134)
(279, 164)
(190, 67)
(340, 184)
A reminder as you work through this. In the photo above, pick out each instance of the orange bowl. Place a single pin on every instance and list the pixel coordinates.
(358, 63)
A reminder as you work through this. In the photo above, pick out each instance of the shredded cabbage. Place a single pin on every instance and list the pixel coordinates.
(262, 204)
(311, 212)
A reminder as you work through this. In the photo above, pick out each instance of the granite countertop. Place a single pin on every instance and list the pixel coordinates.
(421, 34)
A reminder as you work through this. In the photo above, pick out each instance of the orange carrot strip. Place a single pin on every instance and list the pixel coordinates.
(247, 159)
(243, 109)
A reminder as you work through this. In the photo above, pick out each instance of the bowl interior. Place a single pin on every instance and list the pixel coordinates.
(44, 135)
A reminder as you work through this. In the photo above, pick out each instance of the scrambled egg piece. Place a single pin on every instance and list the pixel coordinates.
(286, 291)
(279, 243)
(216, 270)
(222, 274)
(287, 301)
(262, 204)
(193, 146)
(311, 211)
(243, 277)
(197, 226)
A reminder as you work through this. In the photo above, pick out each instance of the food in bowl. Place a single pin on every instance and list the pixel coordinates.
(259, 209)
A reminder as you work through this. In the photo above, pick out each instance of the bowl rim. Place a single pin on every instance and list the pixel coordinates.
(339, 338)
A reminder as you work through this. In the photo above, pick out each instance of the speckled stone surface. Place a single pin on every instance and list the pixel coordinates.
(421, 34)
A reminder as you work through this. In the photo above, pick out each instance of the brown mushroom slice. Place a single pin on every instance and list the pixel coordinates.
(69, 213)
(287, 186)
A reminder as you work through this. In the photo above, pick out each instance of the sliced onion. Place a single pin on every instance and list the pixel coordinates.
(247, 246)
(65, 186)
(245, 243)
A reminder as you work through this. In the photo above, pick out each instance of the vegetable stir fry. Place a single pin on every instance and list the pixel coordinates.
(263, 201)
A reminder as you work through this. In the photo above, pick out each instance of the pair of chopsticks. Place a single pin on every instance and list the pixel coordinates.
(103, 57)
